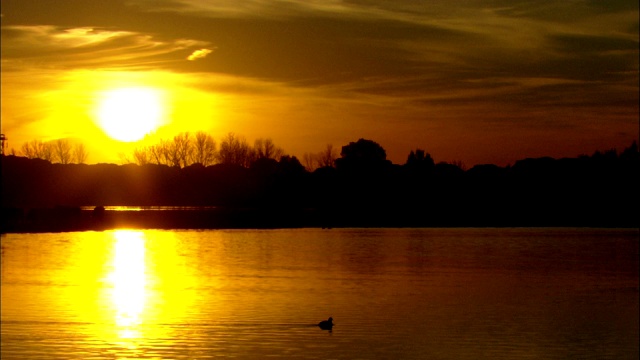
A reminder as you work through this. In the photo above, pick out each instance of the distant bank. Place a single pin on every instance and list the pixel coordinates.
(363, 189)
(68, 219)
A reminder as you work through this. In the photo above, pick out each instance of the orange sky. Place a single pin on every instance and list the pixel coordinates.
(479, 82)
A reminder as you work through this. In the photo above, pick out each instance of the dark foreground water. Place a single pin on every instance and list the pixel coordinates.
(393, 294)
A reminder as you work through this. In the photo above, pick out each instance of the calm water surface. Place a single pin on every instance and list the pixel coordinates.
(393, 294)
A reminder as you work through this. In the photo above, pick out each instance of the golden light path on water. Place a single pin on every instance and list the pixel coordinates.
(129, 281)
(148, 291)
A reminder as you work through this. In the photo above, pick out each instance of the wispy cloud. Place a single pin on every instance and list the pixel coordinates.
(28, 46)
(199, 54)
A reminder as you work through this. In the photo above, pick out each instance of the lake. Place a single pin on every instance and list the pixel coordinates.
(469, 293)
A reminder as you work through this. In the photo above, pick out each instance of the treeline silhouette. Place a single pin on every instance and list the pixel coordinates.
(186, 149)
(57, 151)
(361, 188)
(183, 150)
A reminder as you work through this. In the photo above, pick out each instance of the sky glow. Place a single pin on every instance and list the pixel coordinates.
(477, 81)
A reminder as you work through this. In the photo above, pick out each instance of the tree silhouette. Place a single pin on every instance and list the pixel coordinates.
(185, 150)
(290, 165)
(362, 155)
(365, 150)
(234, 150)
(36, 149)
(265, 148)
(309, 161)
(180, 150)
(80, 153)
(420, 162)
(327, 157)
(141, 156)
(204, 149)
(158, 153)
(62, 151)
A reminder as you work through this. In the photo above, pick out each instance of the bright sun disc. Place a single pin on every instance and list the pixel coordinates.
(129, 114)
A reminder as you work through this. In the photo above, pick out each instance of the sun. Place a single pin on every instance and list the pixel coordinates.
(128, 114)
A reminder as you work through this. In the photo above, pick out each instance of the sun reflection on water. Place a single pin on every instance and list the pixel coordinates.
(129, 280)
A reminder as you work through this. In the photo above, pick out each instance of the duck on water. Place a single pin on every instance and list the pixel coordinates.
(326, 324)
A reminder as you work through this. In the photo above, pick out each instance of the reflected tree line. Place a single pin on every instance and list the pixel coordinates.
(357, 187)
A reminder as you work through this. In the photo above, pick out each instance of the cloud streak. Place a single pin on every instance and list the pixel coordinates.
(199, 54)
(25, 47)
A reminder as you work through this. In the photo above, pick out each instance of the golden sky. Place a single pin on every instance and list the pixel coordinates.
(475, 81)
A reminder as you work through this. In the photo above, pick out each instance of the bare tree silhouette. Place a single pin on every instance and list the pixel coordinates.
(265, 148)
(158, 153)
(180, 151)
(327, 157)
(80, 153)
(204, 151)
(62, 151)
(141, 156)
(235, 150)
(36, 149)
(310, 161)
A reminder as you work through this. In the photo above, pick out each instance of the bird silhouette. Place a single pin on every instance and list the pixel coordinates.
(326, 324)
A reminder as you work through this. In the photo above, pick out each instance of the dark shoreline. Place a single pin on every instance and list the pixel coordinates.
(599, 191)
(70, 219)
